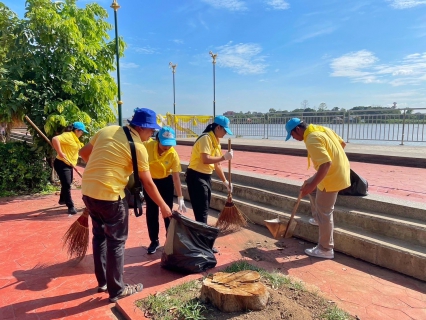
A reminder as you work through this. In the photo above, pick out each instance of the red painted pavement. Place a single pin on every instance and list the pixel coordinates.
(37, 281)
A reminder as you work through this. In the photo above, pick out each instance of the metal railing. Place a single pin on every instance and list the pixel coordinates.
(402, 125)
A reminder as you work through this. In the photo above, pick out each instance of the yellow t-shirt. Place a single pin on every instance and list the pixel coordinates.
(323, 145)
(110, 163)
(70, 145)
(206, 144)
(164, 165)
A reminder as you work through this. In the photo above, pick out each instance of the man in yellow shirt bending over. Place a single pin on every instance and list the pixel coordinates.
(325, 149)
(109, 164)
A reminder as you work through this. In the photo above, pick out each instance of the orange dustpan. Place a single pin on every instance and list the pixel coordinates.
(279, 228)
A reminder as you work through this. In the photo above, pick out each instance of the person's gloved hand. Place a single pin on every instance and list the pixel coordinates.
(228, 186)
(228, 155)
(182, 206)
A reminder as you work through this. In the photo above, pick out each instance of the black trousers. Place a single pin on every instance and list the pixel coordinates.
(166, 189)
(110, 227)
(200, 192)
(65, 174)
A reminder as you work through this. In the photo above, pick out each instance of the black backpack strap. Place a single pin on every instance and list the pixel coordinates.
(138, 185)
(201, 135)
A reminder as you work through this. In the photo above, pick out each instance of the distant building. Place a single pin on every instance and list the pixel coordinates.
(229, 113)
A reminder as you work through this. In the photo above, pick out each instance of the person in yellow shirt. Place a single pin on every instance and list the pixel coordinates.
(109, 164)
(67, 146)
(206, 156)
(164, 165)
(325, 149)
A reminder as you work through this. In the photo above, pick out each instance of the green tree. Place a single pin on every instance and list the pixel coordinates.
(322, 106)
(57, 69)
(304, 104)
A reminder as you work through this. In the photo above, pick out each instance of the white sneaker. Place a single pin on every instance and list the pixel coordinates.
(313, 222)
(319, 253)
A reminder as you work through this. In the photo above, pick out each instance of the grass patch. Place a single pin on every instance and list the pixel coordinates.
(182, 302)
(179, 302)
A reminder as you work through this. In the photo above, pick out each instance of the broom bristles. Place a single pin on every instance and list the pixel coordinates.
(230, 218)
(76, 239)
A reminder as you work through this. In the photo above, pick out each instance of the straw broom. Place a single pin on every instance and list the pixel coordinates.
(230, 218)
(76, 239)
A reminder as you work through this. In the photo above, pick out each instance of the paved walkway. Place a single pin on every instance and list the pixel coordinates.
(37, 281)
(405, 183)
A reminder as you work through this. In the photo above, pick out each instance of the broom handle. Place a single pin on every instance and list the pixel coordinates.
(296, 206)
(48, 141)
(229, 163)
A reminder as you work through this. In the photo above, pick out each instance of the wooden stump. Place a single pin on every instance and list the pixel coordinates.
(231, 292)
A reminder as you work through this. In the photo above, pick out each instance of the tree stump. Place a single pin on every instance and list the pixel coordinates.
(231, 292)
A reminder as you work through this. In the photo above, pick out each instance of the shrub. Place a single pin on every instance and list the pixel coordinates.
(23, 170)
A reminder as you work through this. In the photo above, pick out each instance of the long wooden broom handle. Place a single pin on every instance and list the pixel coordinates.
(229, 163)
(48, 141)
(296, 206)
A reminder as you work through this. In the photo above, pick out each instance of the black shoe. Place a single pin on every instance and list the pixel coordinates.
(153, 246)
(215, 250)
(72, 210)
(61, 202)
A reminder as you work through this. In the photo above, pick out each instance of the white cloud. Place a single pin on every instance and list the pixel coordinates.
(243, 58)
(278, 4)
(405, 4)
(361, 67)
(232, 5)
(178, 41)
(144, 50)
(129, 65)
(315, 34)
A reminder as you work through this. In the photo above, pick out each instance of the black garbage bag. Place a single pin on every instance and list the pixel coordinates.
(358, 187)
(188, 247)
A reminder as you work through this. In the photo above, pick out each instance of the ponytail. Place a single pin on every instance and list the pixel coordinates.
(210, 127)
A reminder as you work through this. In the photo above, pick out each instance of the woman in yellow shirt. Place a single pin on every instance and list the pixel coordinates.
(164, 166)
(67, 146)
(206, 156)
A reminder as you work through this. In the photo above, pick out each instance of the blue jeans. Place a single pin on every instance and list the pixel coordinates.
(110, 226)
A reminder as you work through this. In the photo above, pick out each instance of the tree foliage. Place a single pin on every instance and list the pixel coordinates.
(56, 66)
(24, 172)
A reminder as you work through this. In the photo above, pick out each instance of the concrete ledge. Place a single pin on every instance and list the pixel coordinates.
(371, 203)
(389, 154)
(389, 241)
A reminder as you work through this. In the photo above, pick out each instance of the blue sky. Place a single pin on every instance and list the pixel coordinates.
(271, 53)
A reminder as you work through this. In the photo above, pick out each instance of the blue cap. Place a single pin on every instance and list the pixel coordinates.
(79, 126)
(224, 122)
(145, 118)
(290, 125)
(167, 136)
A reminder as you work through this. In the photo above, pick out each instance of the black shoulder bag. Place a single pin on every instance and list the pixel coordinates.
(137, 190)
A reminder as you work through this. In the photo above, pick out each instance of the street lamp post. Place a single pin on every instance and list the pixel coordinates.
(214, 55)
(173, 67)
(115, 6)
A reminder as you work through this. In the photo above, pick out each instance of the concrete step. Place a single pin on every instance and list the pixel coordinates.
(393, 241)
(410, 230)
(20, 136)
(370, 203)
